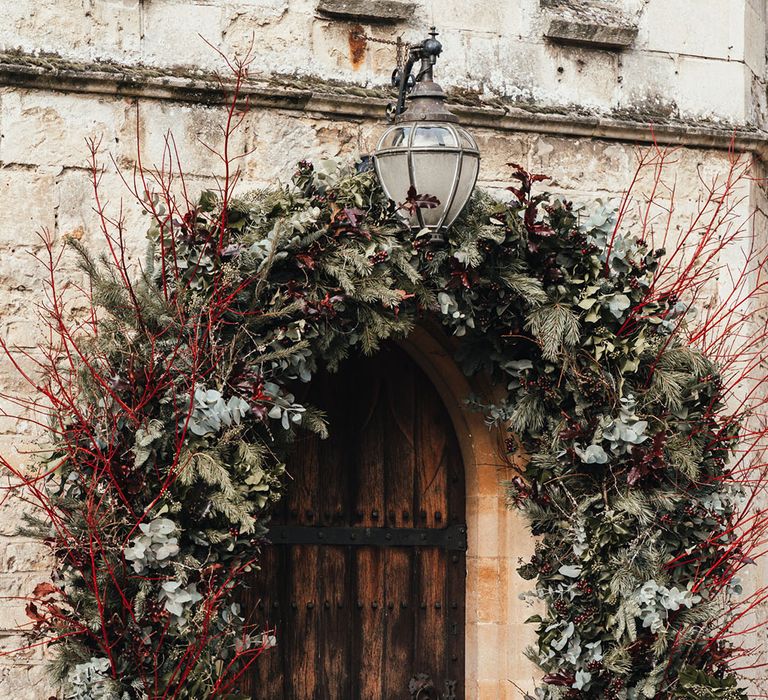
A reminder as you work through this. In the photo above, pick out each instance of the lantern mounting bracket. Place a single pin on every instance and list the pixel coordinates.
(403, 78)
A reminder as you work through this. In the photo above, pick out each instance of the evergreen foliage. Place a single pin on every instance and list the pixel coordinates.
(619, 420)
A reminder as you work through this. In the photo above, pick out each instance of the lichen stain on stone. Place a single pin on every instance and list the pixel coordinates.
(357, 46)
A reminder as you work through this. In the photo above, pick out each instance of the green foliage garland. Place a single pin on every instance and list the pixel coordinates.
(171, 451)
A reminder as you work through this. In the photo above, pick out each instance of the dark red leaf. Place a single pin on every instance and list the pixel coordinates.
(415, 201)
(33, 614)
(42, 590)
(561, 678)
(305, 260)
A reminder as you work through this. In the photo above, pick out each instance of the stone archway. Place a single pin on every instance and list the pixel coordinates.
(495, 633)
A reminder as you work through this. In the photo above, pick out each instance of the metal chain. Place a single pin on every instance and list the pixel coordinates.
(402, 47)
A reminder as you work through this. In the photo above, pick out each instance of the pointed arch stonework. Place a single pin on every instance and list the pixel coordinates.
(495, 633)
(493, 664)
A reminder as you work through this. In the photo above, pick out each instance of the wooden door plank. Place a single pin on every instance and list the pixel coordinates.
(369, 445)
(301, 625)
(400, 473)
(334, 620)
(432, 430)
(299, 634)
(264, 678)
(456, 484)
(333, 575)
(369, 642)
(430, 633)
(401, 606)
(455, 616)
(456, 566)
(335, 460)
(301, 493)
(400, 444)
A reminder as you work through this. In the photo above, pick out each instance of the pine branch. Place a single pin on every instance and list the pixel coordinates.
(527, 288)
(554, 326)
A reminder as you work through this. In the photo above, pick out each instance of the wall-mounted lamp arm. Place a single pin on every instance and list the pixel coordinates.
(404, 80)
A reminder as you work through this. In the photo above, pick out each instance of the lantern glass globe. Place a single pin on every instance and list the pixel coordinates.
(436, 158)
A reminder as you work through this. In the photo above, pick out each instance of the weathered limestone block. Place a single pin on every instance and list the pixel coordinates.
(379, 11)
(185, 44)
(195, 129)
(719, 31)
(30, 205)
(22, 556)
(646, 95)
(593, 34)
(590, 23)
(25, 682)
(14, 419)
(50, 129)
(261, 13)
(277, 32)
(587, 165)
(74, 28)
(275, 160)
(20, 585)
(498, 151)
(755, 16)
(12, 617)
(76, 217)
(12, 508)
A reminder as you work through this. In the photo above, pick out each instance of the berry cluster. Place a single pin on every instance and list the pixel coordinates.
(378, 257)
(586, 615)
(614, 688)
(155, 610)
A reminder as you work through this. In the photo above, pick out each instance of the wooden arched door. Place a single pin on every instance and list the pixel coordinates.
(364, 584)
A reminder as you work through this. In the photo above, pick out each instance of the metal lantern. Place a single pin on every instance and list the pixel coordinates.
(426, 149)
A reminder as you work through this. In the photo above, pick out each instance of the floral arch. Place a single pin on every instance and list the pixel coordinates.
(170, 411)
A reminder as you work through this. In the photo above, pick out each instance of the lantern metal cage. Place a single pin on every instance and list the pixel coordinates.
(436, 158)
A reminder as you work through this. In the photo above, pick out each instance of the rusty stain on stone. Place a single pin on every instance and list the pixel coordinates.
(357, 46)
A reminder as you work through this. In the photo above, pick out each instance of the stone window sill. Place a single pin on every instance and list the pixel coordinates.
(589, 23)
(373, 11)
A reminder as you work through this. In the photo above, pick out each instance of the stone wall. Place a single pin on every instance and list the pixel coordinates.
(686, 59)
(564, 87)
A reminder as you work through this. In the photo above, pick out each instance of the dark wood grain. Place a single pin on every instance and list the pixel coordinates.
(356, 623)
(432, 435)
(430, 638)
(370, 642)
(399, 623)
(334, 620)
(334, 574)
(400, 473)
(455, 584)
(265, 679)
(300, 633)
